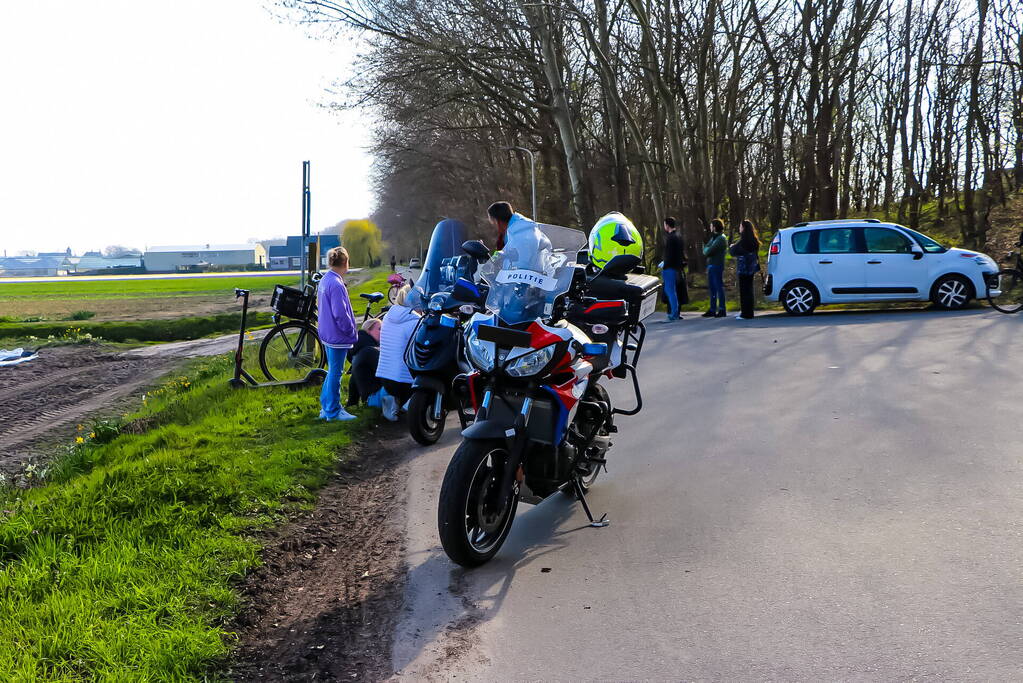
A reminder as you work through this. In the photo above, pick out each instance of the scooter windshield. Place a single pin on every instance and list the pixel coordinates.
(521, 294)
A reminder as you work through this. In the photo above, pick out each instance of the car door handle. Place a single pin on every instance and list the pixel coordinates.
(874, 263)
(825, 262)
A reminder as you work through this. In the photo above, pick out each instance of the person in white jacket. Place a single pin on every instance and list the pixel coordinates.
(398, 325)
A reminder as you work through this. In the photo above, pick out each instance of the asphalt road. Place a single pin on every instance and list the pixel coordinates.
(834, 497)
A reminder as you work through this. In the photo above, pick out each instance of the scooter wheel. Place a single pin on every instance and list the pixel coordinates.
(422, 425)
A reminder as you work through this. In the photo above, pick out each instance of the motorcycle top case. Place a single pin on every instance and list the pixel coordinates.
(638, 291)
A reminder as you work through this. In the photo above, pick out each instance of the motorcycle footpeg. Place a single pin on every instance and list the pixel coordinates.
(600, 523)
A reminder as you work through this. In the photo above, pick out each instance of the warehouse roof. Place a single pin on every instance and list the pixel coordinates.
(202, 247)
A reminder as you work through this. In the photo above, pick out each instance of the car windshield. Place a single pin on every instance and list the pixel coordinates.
(520, 294)
(929, 245)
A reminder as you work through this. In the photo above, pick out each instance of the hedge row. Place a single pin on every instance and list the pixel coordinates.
(177, 329)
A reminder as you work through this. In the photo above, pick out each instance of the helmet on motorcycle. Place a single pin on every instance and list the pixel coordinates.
(614, 235)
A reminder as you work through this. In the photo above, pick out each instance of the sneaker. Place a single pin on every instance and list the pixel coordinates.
(709, 314)
(721, 314)
(740, 317)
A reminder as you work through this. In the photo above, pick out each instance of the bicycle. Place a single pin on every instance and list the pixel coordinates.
(1010, 287)
(292, 348)
(397, 281)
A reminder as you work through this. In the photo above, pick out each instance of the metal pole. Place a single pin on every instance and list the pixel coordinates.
(532, 174)
(306, 207)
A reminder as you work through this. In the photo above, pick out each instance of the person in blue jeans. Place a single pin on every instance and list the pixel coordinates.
(338, 332)
(672, 266)
(715, 250)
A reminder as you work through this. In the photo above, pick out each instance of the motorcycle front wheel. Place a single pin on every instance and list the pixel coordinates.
(473, 517)
(422, 425)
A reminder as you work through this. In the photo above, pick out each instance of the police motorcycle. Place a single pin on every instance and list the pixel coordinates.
(540, 352)
(434, 355)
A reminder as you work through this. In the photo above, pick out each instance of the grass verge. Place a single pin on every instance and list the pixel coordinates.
(121, 563)
(120, 567)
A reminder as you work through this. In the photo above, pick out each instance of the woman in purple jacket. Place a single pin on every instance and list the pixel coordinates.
(338, 332)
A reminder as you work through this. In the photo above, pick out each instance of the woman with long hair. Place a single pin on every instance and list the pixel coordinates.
(745, 251)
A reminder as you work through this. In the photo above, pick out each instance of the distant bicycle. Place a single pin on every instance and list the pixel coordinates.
(1009, 287)
(292, 347)
(397, 281)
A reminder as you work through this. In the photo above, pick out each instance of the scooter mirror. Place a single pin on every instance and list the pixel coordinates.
(477, 250)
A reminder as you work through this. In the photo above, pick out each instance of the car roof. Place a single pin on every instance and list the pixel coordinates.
(838, 222)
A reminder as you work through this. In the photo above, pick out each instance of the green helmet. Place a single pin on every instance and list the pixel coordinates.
(614, 235)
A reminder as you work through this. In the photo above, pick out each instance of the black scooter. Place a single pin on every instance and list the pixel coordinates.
(435, 356)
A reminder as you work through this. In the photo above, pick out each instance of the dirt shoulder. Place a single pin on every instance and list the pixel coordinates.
(325, 603)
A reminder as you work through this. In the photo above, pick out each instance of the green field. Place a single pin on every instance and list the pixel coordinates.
(139, 298)
(85, 290)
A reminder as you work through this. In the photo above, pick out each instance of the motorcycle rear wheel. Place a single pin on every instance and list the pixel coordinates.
(472, 519)
(421, 424)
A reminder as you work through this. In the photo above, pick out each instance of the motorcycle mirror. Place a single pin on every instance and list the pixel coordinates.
(477, 250)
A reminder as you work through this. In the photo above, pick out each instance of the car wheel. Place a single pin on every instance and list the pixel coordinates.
(952, 292)
(799, 298)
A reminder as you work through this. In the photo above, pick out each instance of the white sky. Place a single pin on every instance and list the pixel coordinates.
(139, 122)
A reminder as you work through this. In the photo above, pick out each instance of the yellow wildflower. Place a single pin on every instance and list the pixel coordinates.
(92, 435)
(79, 439)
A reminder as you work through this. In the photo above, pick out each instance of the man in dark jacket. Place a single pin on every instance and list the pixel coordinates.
(672, 268)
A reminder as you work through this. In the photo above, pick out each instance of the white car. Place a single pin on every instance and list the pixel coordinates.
(830, 262)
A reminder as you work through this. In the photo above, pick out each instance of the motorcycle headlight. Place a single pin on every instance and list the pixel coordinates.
(531, 363)
(479, 354)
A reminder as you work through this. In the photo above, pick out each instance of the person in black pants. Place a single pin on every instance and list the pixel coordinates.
(364, 356)
(747, 265)
(672, 269)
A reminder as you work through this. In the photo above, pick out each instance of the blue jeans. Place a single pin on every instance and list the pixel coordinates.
(716, 283)
(330, 394)
(670, 276)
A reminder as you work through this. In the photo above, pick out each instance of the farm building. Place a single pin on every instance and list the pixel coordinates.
(289, 256)
(34, 266)
(99, 265)
(171, 259)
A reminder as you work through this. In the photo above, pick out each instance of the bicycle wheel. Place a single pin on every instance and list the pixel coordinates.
(1010, 298)
(289, 351)
(392, 293)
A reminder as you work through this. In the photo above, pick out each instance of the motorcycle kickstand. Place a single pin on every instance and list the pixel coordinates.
(596, 523)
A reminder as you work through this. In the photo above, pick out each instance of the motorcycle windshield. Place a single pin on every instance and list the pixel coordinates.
(445, 260)
(522, 294)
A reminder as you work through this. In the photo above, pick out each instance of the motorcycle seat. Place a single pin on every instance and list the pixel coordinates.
(610, 312)
(372, 297)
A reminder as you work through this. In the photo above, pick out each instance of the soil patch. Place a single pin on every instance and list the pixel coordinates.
(325, 603)
(42, 401)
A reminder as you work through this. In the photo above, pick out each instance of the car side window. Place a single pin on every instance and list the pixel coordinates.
(886, 241)
(837, 241)
(801, 242)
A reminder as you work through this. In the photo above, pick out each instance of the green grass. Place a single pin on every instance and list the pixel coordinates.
(121, 566)
(163, 330)
(80, 290)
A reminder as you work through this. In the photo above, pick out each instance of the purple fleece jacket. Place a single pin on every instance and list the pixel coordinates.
(336, 319)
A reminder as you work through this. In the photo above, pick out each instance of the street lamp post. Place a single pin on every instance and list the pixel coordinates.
(532, 173)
